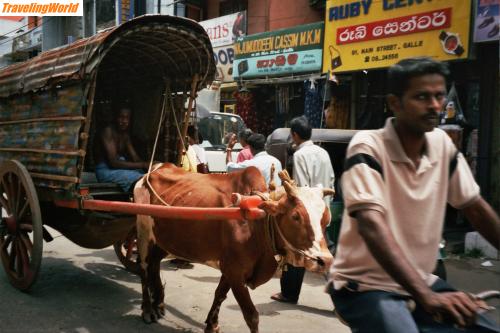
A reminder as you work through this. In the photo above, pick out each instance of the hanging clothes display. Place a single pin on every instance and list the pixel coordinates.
(313, 103)
(264, 105)
(281, 106)
(245, 108)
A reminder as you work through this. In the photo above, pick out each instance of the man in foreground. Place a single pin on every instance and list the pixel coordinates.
(396, 184)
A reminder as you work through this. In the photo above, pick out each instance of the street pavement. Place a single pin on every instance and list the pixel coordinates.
(81, 290)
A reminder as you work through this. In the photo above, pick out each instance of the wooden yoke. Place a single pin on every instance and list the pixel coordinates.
(185, 124)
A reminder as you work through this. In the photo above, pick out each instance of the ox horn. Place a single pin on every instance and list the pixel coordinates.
(285, 177)
(290, 189)
(272, 183)
(328, 191)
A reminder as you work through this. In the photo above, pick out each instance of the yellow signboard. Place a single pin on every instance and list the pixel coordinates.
(365, 34)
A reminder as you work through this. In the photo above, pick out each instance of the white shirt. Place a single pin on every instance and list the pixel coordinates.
(312, 167)
(263, 162)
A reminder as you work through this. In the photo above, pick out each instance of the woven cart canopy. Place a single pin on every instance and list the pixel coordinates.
(147, 49)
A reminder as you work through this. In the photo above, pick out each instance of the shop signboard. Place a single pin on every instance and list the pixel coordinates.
(224, 57)
(487, 22)
(367, 34)
(225, 29)
(223, 32)
(279, 52)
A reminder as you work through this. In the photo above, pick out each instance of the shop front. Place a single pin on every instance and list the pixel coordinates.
(364, 38)
(279, 77)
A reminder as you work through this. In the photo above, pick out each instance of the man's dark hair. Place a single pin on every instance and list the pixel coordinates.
(119, 110)
(300, 126)
(191, 131)
(399, 75)
(257, 142)
(245, 134)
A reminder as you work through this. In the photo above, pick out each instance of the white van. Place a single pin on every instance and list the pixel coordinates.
(215, 130)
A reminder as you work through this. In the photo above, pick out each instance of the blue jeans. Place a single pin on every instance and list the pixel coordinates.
(123, 177)
(386, 312)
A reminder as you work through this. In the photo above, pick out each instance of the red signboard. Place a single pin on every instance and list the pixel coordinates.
(405, 25)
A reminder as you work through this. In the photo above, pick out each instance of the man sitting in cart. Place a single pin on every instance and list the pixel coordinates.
(117, 160)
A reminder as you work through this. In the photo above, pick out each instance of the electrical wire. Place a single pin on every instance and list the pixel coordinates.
(16, 29)
(27, 32)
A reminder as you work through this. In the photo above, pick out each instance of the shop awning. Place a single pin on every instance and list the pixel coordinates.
(284, 79)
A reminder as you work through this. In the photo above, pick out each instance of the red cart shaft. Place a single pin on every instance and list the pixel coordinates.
(247, 209)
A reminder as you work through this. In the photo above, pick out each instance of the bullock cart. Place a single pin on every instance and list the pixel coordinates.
(52, 108)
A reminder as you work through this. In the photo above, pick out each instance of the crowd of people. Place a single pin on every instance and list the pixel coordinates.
(396, 184)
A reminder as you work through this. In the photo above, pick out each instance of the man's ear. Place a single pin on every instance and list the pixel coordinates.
(394, 103)
(273, 208)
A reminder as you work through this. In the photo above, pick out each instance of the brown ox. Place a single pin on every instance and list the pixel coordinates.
(242, 250)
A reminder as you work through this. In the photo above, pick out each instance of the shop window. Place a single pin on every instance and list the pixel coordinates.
(105, 12)
(227, 7)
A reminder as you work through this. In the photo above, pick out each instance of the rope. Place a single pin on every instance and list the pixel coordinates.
(273, 225)
(177, 126)
(290, 246)
(270, 236)
(167, 93)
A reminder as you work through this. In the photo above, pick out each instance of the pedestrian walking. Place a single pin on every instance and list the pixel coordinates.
(261, 159)
(245, 153)
(311, 167)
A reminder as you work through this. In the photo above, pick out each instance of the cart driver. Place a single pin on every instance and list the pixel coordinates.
(117, 160)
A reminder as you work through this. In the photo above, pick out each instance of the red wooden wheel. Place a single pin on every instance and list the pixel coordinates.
(21, 236)
(127, 252)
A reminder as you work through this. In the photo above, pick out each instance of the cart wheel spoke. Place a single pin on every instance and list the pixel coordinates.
(8, 183)
(24, 259)
(25, 227)
(19, 265)
(27, 243)
(13, 256)
(18, 198)
(11, 194)
(22, 211)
